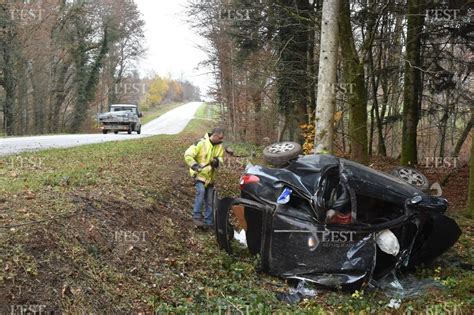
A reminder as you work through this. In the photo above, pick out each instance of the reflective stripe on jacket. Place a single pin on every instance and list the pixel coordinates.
(202, 152)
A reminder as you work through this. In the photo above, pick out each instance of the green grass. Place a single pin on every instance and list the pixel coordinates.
(243, 149)
(156, 112)
(207, 112)
(143, 186)
(202, 111)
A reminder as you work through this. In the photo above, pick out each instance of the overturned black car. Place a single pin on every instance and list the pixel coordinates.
(335, 223)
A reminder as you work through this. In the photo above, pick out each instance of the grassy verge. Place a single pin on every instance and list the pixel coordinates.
(207, 112)
(158, 111)
(106, 229)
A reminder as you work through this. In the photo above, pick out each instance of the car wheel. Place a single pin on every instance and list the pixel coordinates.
(105, 132)
(280, 153)
(412, 177)
(116, 132)
(139, 131)
(129, 131)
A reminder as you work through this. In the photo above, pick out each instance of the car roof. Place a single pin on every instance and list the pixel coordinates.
(123, 105)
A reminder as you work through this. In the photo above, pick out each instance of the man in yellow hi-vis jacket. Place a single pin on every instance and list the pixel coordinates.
(203, 158)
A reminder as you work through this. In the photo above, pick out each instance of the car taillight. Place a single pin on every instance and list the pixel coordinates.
(248, 179)
(342, 218)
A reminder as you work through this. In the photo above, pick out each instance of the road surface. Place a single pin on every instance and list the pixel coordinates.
(172, 122)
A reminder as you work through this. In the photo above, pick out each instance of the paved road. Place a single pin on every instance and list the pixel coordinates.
(172, 122)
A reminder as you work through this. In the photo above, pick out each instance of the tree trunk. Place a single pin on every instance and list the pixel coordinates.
(356, 91)
(381, 149)
(371, 129)
(22, 101)
(444, 126)
(39, 98)
(412, 82)
(311, 73)
(87, 81)
(80, 108)
(326, 101)
(470, 203)
(295, 53)
(8, 83)
(59, 95)
(464, 135)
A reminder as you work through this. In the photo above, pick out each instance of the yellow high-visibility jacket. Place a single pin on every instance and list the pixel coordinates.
(202, 152)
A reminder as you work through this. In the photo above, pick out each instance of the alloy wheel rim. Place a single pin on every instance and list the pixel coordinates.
(411, 176)
(281, 147)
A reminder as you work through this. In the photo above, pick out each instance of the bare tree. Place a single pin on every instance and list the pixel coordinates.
(412, 82)
(326, 101)
(470, 204)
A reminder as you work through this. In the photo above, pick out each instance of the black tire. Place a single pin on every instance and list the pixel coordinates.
(412, 177)
(129, 131)
(139, 131)
(105, 132)
(280, 153)
(116, 132)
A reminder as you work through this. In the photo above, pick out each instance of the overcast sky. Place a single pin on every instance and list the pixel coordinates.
(172, 45)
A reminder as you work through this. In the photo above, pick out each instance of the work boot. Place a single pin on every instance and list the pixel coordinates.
(198, 223)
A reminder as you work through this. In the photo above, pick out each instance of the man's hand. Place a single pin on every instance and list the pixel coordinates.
(215, 163)
(196, 167)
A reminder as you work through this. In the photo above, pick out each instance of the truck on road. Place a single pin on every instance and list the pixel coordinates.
(121, 117)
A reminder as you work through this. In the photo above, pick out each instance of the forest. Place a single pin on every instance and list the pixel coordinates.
(63, 61)
(403, 88)
(404, 73)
